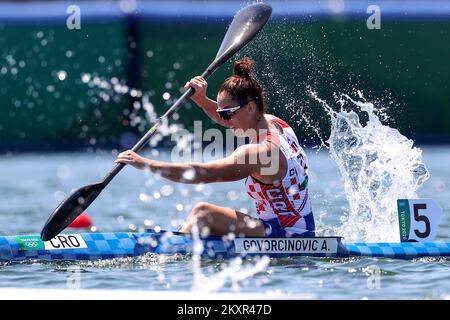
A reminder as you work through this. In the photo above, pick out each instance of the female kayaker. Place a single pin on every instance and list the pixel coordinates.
(273, 164)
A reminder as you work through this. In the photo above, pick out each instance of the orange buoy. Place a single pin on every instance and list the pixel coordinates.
(82, 221)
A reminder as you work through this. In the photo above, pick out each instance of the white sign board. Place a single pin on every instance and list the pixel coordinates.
(418, 219)
(286, 245)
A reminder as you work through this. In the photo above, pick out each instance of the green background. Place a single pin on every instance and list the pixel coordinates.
(402, 68)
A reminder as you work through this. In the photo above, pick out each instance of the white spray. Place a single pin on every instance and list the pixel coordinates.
(378, 166)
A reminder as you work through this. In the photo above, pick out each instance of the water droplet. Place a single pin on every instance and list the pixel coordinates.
(167, 190)
(62, 75)
(148, 223)
(189, 175)
(145, 197)
(166, 96)
(85, 78)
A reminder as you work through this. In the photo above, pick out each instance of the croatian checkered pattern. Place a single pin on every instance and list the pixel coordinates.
(262, 205)
(287, 201)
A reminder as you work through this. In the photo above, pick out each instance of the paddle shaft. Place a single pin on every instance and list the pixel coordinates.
(174, 108)
(245, 25)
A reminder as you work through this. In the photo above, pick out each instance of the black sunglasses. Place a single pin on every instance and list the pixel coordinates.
(227, 114)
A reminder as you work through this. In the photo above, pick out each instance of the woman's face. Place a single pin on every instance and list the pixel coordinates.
(243, 118)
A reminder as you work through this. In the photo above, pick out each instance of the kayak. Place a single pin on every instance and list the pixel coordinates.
(100, 246)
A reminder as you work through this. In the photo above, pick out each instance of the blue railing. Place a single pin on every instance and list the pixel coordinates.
(55, 11)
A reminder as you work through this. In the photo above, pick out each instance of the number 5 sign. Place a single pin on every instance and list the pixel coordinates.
(418, 219)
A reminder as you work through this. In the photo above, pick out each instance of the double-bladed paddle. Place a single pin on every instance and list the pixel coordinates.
(245, 25)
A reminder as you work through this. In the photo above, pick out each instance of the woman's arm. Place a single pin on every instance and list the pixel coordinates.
(208, 105)
(243, 162)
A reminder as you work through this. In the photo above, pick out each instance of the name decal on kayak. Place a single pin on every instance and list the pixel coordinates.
(65, 241)
(62, 241)
(286, 245)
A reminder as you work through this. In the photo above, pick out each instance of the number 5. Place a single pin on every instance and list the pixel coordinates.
(424, 219)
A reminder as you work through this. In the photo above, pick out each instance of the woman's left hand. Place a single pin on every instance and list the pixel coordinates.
(131, 157)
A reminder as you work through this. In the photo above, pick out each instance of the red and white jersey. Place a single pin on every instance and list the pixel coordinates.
(288, 200)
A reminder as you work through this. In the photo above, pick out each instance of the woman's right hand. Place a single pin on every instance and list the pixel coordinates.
(200, 85)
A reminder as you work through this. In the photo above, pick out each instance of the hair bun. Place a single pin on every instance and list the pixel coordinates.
(243, 67)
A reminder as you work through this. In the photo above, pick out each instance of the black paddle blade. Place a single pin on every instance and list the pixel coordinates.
(70, 209)
(245, 25)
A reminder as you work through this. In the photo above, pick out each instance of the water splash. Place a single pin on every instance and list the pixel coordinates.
(378, 165)
(142, 114)
(235, 271)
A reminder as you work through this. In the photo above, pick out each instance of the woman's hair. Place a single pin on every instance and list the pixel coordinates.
(243, 87)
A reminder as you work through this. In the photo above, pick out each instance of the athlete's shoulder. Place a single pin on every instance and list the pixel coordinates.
(277, 120)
